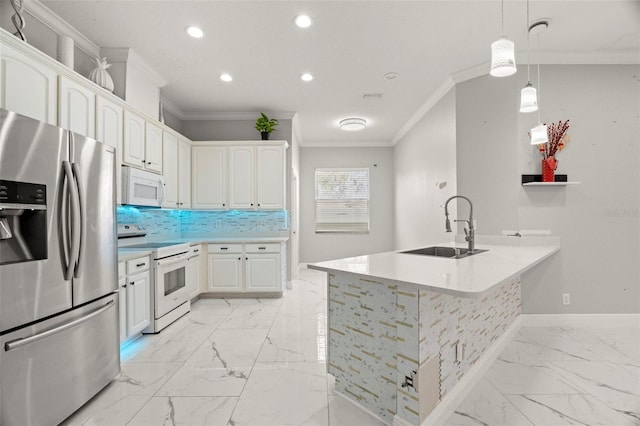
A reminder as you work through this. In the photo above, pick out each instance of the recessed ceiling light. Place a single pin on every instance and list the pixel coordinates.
(353, 124)
(391, 76)
(306, 77)
(302, 21)
(194, 32)
(226, 77)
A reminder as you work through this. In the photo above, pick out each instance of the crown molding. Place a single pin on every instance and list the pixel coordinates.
(45, 15)
(172, 108)
(128, 55)
(346, 144)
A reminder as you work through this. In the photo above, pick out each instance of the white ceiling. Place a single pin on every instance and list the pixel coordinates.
(348, 49)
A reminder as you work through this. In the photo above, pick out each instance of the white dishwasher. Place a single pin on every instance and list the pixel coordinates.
(193, 271)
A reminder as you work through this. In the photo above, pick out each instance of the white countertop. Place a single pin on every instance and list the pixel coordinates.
(470, 276)
(128, 254)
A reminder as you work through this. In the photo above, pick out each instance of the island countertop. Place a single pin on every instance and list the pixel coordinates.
(506, 258)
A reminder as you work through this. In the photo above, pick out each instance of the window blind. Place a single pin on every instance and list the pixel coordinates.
(342, 200)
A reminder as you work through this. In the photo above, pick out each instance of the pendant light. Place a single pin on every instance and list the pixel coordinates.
(539, 133)
(528, 94)
(503, 58)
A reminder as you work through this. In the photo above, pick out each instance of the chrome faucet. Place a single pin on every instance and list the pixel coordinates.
(470, 234)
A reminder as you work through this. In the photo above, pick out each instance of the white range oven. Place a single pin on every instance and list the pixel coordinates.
(169, 294)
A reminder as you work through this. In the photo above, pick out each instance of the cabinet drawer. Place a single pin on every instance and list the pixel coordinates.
(195, 250)
(137, 265)
(225, 248)
(262, 248)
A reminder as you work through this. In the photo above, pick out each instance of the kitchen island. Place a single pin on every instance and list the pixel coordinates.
(403, 329)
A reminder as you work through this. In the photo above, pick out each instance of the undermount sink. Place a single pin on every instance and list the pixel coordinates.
(448, 252)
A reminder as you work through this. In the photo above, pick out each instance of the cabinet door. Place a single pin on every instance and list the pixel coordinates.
(262, 273)
(133, 140)
(270, 177)
(209, 177)
(184, 175)
(77, 108)
(138, 303)
(153, 148)
(193, 277)
(241, 177)
(28, 87)
(225, 273)
(122, 295)
(170, 170)
(110, 129)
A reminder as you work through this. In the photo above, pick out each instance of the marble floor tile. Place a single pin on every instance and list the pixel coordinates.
(611, 383)
(218, 306)
(516, 378)
(252, 313)
(124, 396)
(561, 410)
(344, 413)
(295, 339)
(229, 348)
(284, 394)
(191, 411)
(486, 406)
(205, 381)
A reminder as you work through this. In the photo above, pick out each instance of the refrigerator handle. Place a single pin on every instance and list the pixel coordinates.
(15, 344)
(75, 221)
(76, 173)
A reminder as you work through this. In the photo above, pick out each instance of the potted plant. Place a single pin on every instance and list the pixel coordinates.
(265, 125)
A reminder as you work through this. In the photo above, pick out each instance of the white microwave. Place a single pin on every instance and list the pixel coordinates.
(141, 188)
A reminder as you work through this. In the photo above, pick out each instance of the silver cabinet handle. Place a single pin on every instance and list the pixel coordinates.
(15, 344)
(76, 173)
(75, 221)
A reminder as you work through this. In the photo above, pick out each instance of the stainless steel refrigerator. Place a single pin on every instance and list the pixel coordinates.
(59, 331)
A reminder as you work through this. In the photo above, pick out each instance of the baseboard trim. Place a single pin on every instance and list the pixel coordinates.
(581, 320)
(360, 407)
(454, 398)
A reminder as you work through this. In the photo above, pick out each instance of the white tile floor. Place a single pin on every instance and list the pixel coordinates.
(262, 362)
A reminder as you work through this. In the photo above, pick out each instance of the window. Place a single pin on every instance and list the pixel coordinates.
(342, 200)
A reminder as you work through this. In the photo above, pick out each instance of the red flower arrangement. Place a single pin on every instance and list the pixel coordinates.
(558, 139)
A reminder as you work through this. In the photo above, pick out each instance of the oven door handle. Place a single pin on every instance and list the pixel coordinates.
(173, 259)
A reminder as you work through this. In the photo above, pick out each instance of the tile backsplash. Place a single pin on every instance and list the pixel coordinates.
(186, 223)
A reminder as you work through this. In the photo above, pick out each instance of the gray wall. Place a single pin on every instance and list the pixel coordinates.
(425, 176)
(231, 130)
(319, 247)
(598, 221)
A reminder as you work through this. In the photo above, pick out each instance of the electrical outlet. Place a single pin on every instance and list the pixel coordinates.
(566, 299)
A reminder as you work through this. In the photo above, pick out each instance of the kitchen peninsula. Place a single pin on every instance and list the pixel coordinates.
(403, 329)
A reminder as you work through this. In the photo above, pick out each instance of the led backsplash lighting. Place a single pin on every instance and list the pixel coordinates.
(162, 222)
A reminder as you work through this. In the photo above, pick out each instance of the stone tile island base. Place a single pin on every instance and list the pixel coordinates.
(380, 331)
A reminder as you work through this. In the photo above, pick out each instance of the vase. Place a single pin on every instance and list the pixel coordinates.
(265, 136)
(549, 166)
(100, 76)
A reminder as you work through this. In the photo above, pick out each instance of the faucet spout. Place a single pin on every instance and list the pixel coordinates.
(470, 234)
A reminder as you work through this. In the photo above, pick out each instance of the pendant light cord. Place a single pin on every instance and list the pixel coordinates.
(502, 17)
(528, 48)
(539, 86)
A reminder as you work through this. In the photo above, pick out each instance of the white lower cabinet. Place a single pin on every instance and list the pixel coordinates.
(135, 298)
(245, 268)
(193, 271)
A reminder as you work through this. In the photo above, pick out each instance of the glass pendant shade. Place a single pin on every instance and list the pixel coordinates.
(528, 99)
(539, 135)
(503, 59)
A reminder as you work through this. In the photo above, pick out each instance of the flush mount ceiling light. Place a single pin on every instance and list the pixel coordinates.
(503, 58)
(226, 78)
(302, 21)
(194, 32)
(353, 124)
(306, 77)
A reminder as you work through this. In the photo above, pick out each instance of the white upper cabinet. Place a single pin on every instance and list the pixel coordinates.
(110, 129)
(170, 170)
(270, 177)
(133, 150)
(153, 148)
(209, 177)
(142, 143)
(28, 87)
(77, 107)
(184, 174)
(242, 177)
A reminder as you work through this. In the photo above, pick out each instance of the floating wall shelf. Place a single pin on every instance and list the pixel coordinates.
(536, 180)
